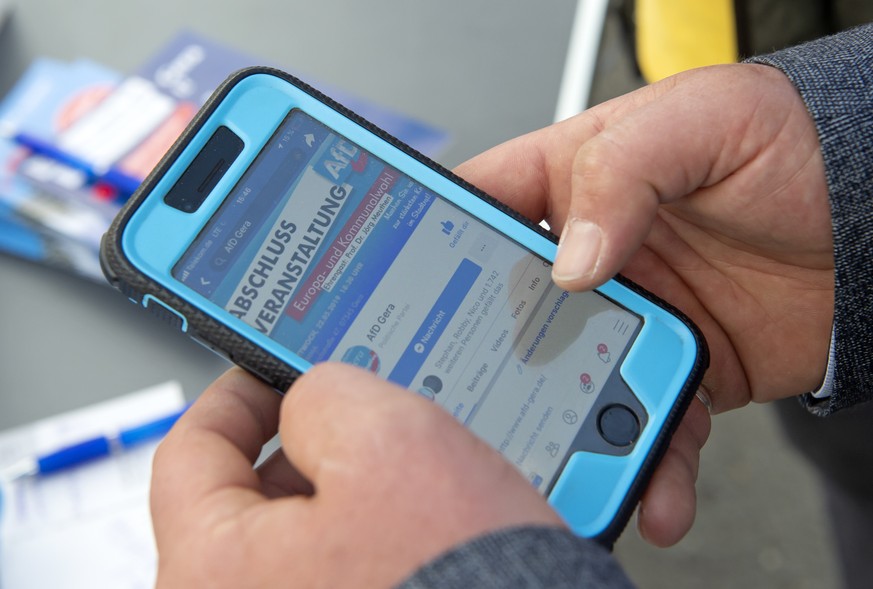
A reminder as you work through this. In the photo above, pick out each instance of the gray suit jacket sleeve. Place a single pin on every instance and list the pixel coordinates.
(834, 75)
(835, 78)
(523, 557)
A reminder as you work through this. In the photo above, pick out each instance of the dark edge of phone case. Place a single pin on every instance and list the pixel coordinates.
(123, 276)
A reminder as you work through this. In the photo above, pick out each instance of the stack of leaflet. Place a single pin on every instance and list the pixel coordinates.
(76, 139)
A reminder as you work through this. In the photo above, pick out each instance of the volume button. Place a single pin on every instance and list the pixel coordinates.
(165, 312)
(206, 343)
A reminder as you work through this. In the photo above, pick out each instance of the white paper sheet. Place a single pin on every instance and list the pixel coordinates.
(89, 526)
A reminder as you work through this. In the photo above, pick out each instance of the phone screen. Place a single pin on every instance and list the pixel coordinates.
(335, 255)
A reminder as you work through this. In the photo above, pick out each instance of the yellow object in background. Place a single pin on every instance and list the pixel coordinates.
(677, 35)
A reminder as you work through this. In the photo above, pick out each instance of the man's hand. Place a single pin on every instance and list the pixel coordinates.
(382, 482)
(708, 189)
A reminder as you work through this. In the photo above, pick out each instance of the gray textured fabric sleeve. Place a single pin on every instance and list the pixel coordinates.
(523, 557)
(834, 75)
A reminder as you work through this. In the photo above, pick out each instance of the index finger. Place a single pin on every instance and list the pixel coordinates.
(212, 449)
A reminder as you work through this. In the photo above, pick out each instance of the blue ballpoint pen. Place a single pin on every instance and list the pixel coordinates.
(93, 448)
(123, 182)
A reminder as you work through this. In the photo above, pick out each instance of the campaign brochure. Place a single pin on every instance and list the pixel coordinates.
(77, 138)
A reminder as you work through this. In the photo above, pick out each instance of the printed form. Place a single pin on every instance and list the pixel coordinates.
(88, 526)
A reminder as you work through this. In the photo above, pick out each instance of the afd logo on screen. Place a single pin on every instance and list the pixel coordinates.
(342, 159)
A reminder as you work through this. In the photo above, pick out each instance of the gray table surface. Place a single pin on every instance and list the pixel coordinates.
(484, 71)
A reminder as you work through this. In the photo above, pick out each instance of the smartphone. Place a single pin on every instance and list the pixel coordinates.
(282, 230)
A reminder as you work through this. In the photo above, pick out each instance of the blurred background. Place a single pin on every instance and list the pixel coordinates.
(481, 72)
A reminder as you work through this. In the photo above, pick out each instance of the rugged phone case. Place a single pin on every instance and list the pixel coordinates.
(178, 312)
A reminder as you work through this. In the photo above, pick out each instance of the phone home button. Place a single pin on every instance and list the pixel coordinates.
(618, 425)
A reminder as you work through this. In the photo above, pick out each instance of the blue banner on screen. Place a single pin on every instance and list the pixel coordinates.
(435, 322)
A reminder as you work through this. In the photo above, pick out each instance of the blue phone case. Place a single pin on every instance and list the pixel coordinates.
(595, 493)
